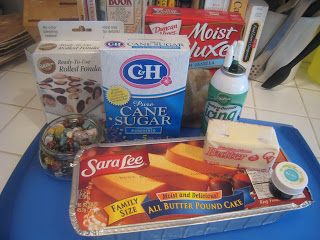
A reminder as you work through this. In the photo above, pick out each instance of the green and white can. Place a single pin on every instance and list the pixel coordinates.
(226, 95)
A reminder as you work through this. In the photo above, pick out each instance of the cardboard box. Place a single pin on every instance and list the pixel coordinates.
(144, 81)
(238, 6)
(219, 5)
(67, 66)
(210, 33)
(255, 17)
(48, 10)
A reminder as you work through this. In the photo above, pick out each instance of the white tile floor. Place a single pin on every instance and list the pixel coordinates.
(21, 115)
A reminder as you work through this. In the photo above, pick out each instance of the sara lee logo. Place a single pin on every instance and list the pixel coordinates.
(145, 71)
(114, 163)
(114, 44)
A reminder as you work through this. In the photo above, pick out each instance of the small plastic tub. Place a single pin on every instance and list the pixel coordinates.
(287, 180)
(62, 139)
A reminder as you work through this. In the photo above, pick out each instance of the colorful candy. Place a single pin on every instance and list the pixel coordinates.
(63, 140)
(70, 130)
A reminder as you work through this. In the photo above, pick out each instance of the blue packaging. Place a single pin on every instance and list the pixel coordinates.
(144, 81)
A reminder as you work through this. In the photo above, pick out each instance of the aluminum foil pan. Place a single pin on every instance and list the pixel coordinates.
(161, 189)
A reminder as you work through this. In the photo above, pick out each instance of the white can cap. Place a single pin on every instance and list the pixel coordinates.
(289, 178)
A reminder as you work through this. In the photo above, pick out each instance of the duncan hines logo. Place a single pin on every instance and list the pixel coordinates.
(46, 65)
(170, 28)
(108, 164)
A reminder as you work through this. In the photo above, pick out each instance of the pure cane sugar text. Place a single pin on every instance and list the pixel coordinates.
(144, 81)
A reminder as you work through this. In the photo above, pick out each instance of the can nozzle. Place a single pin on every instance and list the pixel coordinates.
(229, 57)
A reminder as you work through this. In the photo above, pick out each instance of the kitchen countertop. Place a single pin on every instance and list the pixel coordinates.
(22, 117)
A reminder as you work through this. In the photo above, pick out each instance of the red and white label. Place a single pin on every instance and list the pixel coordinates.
(170, 28)
(113, 163)
(210, 32)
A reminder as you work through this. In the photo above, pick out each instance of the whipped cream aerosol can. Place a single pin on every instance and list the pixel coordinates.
(226, 95)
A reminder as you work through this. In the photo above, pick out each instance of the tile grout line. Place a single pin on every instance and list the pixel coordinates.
(11, 120)
(6, 72)
(258, 108)
(15, 105)
(11, 104)
(307, 114)
(254, 100)
(11, 153)
(309, 118)
(268, 110)
(22, 107)
(284, 85)
(295, 85)
(295, 82)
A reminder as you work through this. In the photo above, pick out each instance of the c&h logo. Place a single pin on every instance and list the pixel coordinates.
(145, 71)
(114, 44)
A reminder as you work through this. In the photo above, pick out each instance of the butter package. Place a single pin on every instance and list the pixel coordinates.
(241, 145)
(165, 186)
(144, 82)
(67, 68)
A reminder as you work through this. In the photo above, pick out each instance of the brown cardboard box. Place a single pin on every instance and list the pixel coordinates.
(46, 10)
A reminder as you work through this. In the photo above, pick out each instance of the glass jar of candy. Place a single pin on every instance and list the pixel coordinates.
(62, 138)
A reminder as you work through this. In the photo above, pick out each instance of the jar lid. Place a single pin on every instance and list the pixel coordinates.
(289, 178)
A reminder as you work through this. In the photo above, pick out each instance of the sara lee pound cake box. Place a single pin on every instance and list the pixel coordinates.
(144, 81)
(67, 65)
(164, 185)
(210, 33)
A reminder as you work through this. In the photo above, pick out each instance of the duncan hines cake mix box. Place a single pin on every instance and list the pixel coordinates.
(144, 81)
(139, 186)
(210, 33)
(67, 68)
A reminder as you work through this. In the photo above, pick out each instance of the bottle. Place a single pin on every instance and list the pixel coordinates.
(226, 95)
(314, 68)
(287, 180)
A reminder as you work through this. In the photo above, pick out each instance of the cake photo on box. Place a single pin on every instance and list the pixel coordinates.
(62, 94)
(139, 186)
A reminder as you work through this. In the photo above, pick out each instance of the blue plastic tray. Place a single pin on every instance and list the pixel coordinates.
(35, 206)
